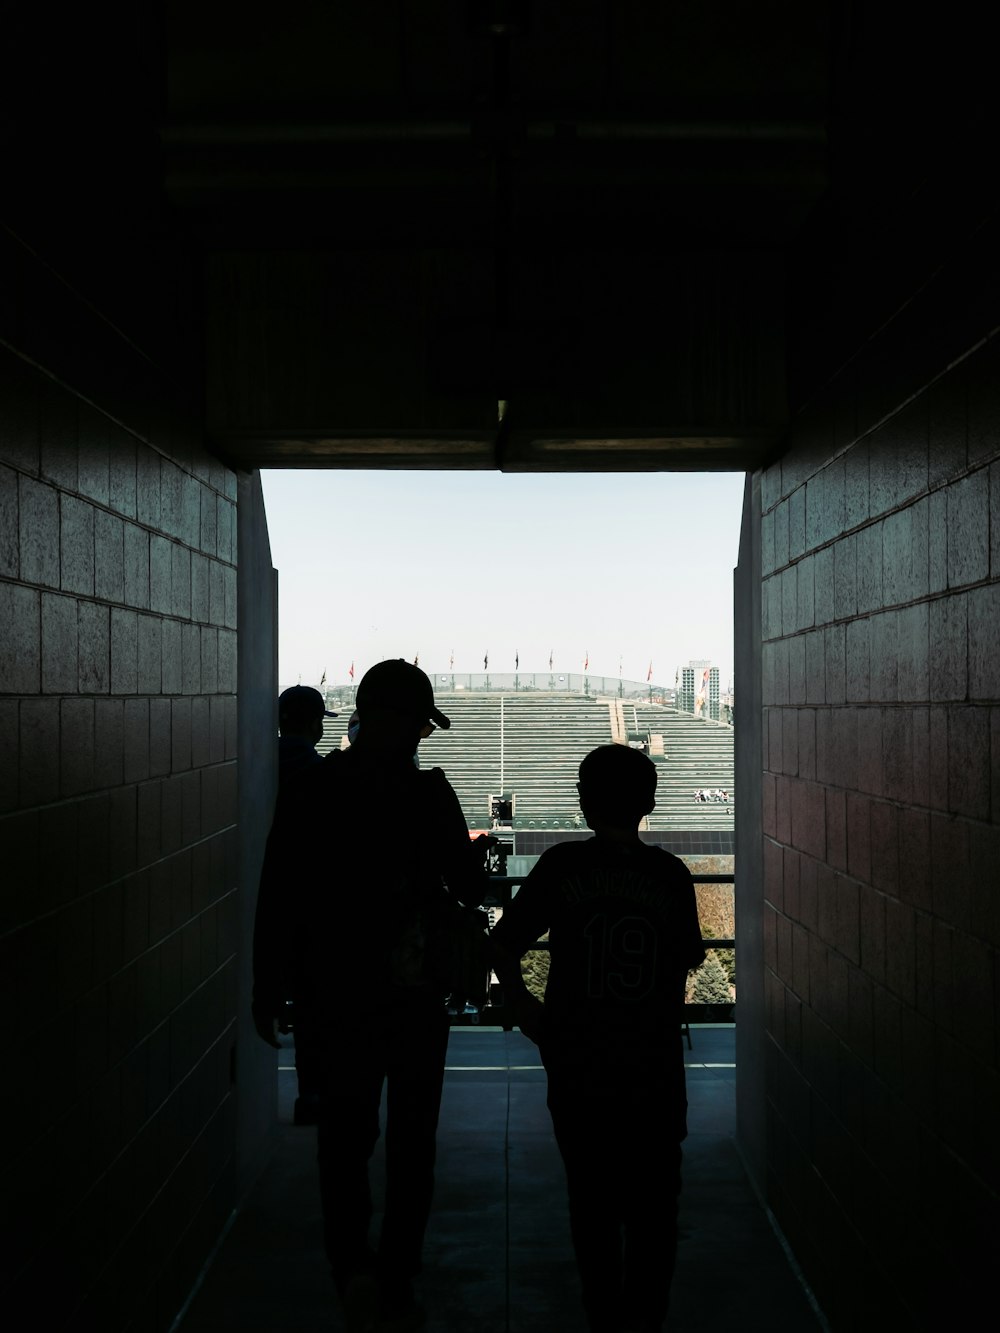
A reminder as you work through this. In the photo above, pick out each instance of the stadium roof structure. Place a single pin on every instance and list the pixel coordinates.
(527, 682)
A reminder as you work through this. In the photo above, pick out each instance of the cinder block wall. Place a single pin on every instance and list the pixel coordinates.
(121, 873)
(118, 808)
(879, 536)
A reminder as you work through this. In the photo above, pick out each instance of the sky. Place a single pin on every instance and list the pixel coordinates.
(634, 567)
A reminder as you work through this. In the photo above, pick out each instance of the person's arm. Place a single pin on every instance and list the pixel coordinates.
(522, 924)
(527, 1010)
(463, 861)
(265, 1004)
(273, 929)
(692, 948)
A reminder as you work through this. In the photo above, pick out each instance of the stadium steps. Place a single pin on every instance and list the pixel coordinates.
(544, 738)
(698, 754)
(618, 734)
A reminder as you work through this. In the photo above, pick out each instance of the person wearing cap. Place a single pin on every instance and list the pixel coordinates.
(354, 724)
(353, 949)
(301, 711)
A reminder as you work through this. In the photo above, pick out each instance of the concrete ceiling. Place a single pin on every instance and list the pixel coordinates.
(415, 212)
(650, 228)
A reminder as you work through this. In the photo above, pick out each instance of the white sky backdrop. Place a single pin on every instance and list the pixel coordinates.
(392, 564)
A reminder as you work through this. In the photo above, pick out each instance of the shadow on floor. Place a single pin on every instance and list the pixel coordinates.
(498, 1258)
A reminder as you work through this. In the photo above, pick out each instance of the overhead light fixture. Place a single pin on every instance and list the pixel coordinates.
(498, 18)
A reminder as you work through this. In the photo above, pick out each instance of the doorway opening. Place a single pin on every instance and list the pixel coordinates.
(552, 613)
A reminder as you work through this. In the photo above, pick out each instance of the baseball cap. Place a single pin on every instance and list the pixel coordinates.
(397, 685)
(301, 702)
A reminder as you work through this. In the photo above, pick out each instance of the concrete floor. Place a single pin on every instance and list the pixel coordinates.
(497, 1257)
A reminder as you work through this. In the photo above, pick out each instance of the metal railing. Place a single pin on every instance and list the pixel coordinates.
(500, 895)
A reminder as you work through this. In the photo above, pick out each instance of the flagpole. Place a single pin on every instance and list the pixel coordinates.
(501, 745)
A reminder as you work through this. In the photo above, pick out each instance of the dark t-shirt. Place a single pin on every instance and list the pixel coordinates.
(344, 894)
(623, 933)
(295, 753)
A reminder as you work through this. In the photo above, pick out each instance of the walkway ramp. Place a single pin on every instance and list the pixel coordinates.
(498, 1257)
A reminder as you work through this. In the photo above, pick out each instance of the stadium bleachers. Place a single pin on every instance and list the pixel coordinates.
(698, 754)
(335, 730)
(528, 744)
(531, 744)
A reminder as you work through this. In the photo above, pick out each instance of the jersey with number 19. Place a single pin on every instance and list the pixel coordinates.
(623, 933)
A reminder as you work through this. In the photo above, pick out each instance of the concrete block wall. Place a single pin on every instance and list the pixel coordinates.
(879, 537)
(118, 812)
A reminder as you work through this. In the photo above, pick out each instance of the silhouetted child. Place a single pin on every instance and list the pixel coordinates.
(623, 933)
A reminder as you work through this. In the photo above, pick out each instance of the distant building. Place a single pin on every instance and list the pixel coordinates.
(699, 690)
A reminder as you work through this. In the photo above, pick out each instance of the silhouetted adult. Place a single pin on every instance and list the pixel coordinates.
(301, 711)
(623, 933)
(354, 953)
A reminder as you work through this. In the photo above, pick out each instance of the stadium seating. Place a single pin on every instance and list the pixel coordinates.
(335, 730)
(531, 743)
(698, 754)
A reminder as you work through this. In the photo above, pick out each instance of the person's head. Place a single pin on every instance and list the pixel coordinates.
(301, 711)
(617, 787)
(395, 705)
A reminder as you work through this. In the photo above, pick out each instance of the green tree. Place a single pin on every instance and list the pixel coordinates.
(535, 970)
(727, 957)
(716, 915)
(711, 985)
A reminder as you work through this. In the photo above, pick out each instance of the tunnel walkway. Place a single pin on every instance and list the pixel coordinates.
(498, 1257)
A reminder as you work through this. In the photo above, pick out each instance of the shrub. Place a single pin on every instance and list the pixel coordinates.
(710, 984)
(535, 970)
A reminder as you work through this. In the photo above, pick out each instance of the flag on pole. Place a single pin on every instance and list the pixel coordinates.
(351, 672)
(451, 660)
(486, 661)
(517, 660)
(550, 659)
(649, 673)
(416, 659)
(322, 679)
(586, 659)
